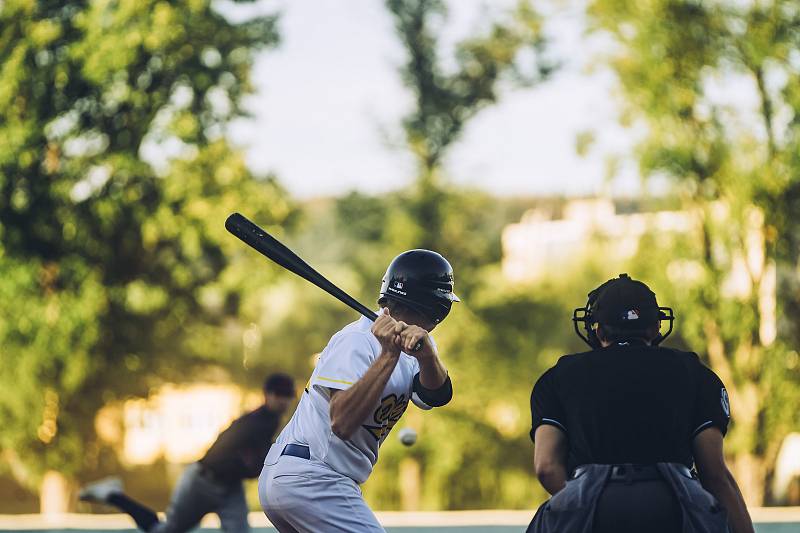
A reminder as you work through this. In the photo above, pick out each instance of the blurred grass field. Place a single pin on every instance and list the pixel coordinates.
(767, 520)
(792, 527)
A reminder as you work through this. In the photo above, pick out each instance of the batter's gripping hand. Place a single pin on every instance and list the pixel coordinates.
(410, 336)
(387, 330)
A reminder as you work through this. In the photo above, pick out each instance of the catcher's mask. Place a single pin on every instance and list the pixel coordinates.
(624, 303)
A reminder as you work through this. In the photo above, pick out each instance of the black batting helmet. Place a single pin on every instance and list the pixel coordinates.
(623, 303)
(422, 280)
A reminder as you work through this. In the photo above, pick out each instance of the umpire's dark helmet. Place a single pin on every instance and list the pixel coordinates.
(422, 280)
(623, 303)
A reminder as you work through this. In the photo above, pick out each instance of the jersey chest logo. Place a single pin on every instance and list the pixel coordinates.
(386, 415)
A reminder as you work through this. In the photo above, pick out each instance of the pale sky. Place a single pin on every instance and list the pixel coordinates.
(326, 117)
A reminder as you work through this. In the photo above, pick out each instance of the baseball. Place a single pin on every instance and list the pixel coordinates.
(407, 436)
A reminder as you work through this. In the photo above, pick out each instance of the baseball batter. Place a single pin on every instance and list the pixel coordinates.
(361, 386)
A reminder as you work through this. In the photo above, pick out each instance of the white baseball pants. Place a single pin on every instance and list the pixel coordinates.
(302, 496)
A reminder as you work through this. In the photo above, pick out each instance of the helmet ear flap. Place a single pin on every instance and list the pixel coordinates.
(664, 313)
(583, 315)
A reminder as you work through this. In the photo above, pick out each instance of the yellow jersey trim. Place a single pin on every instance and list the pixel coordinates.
(336, 380)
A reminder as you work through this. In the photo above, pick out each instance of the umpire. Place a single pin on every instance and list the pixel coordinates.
(617, 429)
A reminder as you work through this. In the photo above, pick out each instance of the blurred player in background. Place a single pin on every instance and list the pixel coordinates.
(617, 429)
(214, 483)
(360, 388)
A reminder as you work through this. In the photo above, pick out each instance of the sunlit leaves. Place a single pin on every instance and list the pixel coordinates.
(446, 99)
(103, 258)
(711, 81)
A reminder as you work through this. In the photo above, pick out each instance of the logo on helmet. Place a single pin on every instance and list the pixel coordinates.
(633, 314)
(396, 291)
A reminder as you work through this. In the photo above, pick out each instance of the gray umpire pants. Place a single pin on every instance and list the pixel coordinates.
(196, 496)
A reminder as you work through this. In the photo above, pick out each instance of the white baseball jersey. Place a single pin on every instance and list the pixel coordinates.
(345, 359)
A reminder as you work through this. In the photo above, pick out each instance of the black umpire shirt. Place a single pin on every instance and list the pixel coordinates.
(630, 403)
(240, 450)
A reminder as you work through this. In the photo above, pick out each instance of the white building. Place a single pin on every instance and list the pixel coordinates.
(541, 243)
(177, 423)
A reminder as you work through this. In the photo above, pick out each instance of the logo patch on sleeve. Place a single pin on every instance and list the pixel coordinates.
(725, 402)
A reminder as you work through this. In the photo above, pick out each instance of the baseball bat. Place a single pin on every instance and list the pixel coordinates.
(273, 249)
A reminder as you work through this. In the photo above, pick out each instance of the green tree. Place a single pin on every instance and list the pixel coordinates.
(475, 453)
(449, 88)
(735, 169)
(509, 48)
(113, 262)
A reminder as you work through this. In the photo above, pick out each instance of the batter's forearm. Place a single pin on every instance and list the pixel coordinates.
(349, 408)
(432, 373)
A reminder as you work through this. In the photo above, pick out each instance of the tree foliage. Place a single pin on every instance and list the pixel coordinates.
(487, 464)
(506, 49)
(115, 179)
(446, 100)
(689, 72)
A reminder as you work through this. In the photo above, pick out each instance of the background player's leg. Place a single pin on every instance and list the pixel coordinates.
(232, 512)
(193, 498)
(144, 517)
(110, 492)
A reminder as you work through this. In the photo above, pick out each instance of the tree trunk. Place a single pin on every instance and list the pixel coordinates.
(751, 475)
(748, 468)
(55, 494)
(410, 484)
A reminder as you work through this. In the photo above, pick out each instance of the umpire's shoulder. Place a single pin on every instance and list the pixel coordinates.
(563, 362)
(690, 357)
(690, 360)
(571, 359)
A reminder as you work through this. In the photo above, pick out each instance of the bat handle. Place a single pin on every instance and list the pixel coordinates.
(418, 346)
